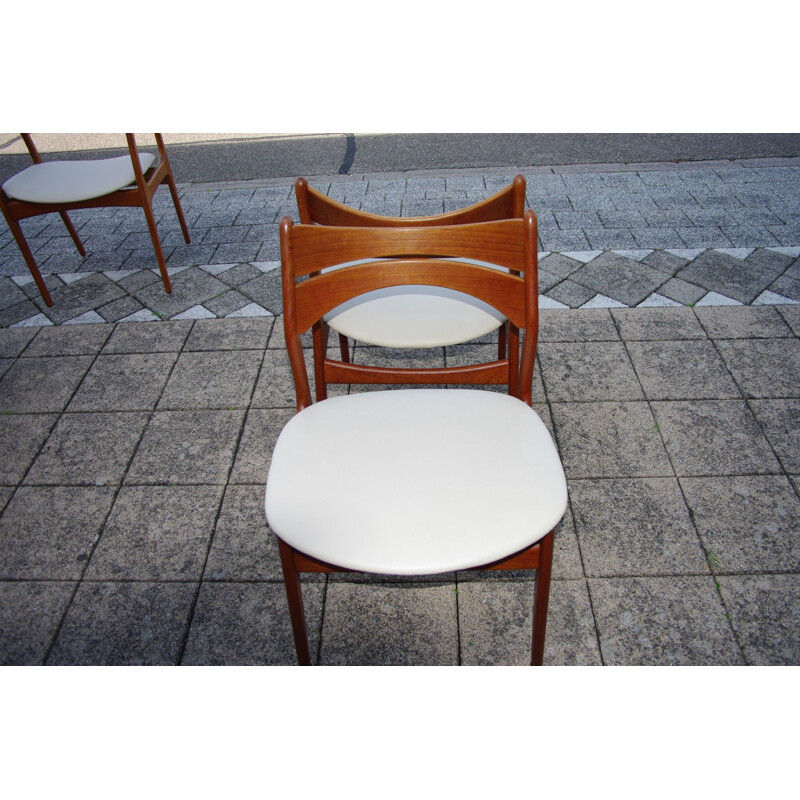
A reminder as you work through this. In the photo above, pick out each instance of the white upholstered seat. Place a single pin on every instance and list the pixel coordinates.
(73, 181)
(415, 481)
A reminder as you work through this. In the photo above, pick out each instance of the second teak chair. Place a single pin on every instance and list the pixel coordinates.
(412, 316)
(60, 186)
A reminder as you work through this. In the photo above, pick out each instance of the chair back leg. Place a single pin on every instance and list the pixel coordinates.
(294, 596)
(173, 190)
(72, 232)
(151, 225)
(541, 598)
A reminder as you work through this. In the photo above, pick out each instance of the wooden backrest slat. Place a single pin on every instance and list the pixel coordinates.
(318, 295)
(317, 247)
(317, 208)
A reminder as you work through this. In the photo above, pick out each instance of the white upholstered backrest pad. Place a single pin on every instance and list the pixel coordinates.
(415, 316)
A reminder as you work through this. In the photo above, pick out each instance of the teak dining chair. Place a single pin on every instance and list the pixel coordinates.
(402, 316)
(414, 481)
(61, 186)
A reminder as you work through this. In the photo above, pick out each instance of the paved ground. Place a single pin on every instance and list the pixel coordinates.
(132, 525)
(136, 456)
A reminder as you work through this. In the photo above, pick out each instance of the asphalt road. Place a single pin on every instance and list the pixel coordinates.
(201, 158)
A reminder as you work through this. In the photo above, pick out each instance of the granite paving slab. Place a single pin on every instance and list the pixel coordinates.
(157, 533)
(681, 370)
(764, 367)
(48, 532)
(592, 325)
(609, 440)
(275, 387)
(30, 613)
(408, 624)
(243, 548)
(780, 421)
(635, 527)
(248, 624)
(742, 323)
(124, 382)
(765, 613)
(237, 334)
(189, 287)
(77, 340)
(495, 624)
(42, 385)
(714, 437)
(254, 452)
(657, 324)
(13, 341)
(620, 278)
(713, 269)
(91, 449)
(588, 372)
(134, 338)
(84, 295)
(666, 621)
(750, 523)
(791, 314)
(21, 438)
(187, 447)
(218, 379)
(116, 623)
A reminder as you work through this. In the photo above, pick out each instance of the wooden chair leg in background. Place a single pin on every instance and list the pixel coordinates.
(344, 348)
(541, 598)
(320, 333)
(501, 341)
(294, 595)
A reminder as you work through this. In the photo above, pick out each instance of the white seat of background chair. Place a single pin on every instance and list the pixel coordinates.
(437, 480)
(414, 316)
(73, 181)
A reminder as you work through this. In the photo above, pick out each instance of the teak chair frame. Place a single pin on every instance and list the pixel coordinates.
(316, 208)
(309, 294)
(140, 193)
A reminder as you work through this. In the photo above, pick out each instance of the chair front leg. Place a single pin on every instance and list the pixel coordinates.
(19, 236)
(541, 598)
(294, 595)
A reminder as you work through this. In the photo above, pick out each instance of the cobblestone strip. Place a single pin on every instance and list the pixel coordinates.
(656, 234)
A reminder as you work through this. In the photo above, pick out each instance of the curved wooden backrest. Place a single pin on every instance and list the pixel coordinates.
(412, 256)
(317, 247)
(317, 209)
